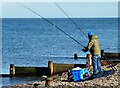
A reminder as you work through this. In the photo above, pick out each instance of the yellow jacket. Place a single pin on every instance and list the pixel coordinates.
(93, 45)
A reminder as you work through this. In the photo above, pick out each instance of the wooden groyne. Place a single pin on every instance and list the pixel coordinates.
(55, 68)
(27, 71)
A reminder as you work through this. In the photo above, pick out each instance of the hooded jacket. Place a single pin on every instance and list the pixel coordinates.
(93, 45)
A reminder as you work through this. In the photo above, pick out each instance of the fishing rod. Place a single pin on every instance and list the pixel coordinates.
(70, 19)
(52, 24)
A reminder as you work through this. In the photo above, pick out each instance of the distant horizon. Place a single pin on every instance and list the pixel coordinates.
(61, 18)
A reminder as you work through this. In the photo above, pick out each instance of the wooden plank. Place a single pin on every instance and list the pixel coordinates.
(58, 68)
(112, 55)
(31, 71)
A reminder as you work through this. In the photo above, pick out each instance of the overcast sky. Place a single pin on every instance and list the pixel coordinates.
(50, 10)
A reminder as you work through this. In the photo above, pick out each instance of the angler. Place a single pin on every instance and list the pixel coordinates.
(94, 48)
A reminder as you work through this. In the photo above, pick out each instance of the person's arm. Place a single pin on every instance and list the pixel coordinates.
(90, 44)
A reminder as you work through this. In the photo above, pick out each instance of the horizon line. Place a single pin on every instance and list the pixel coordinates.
(55, 17)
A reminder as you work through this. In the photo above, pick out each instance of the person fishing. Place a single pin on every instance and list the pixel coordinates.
(94, 48)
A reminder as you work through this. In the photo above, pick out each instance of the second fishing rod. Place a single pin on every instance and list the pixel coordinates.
(71, 19)
(52, 24)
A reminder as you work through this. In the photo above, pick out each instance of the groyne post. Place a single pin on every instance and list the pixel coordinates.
(50, 68)
(49, 81)
(75, 56)
(12, 70)
(102, 54)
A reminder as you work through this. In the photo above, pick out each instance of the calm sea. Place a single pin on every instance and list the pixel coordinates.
(33, 41)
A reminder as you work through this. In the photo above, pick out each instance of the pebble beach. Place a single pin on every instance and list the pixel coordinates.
(110, 79)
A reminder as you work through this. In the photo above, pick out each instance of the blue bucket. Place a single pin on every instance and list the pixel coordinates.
(78, 75)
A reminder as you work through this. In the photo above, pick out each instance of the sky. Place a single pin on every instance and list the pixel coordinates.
(50, 10)
(59, 0)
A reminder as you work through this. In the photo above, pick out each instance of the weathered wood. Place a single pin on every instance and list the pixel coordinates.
(109, 55)
(50, 68)
(58, 68)
(31, 71)
(12, 70)
(75, 56)
(53, 68)
(112, 55)
(102, 53)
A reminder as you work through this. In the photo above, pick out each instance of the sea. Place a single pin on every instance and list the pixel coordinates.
(33, 42)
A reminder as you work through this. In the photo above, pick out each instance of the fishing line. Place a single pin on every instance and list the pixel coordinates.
(70, 19)
(52, 24)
